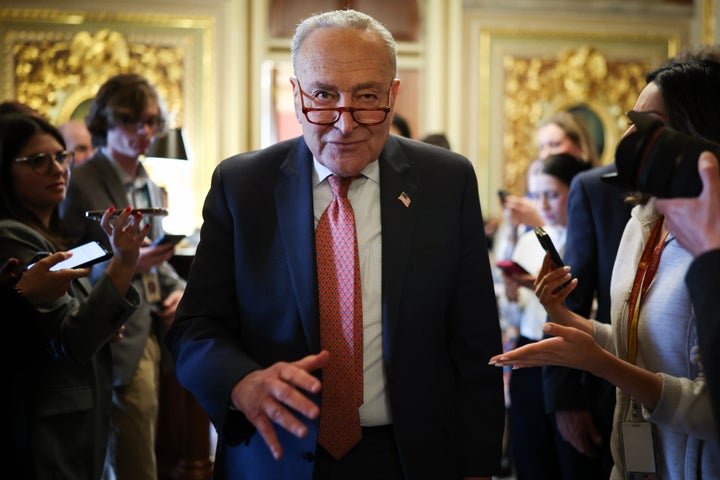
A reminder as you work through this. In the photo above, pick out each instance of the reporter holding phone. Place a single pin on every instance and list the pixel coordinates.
(650, 349)
(531, 431)
(124, 118)
(62, 417)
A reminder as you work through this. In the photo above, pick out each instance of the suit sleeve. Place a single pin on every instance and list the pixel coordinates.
(562, 386)
(705, 272)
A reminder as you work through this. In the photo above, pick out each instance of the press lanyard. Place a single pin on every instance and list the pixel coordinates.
(646, 270)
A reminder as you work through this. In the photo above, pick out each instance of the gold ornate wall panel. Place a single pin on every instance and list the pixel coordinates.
(576, 79)
(58, 72)
(56, 60)
(523, 76)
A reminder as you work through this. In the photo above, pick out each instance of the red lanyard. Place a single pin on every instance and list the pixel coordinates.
(646, 270)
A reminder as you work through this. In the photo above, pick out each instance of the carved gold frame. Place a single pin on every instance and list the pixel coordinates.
(55, 60)
(524, 76)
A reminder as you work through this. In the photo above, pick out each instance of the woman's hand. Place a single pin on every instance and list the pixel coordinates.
(126, 236)
(40, 285)
(522, 211)
(552, 287)
(569, 347)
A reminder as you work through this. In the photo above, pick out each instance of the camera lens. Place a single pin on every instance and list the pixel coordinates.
(659, 161)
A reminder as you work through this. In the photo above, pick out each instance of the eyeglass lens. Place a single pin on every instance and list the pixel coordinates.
(42, 162)
(369, 116)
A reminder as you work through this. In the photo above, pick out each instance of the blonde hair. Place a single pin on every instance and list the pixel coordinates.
(577, 132)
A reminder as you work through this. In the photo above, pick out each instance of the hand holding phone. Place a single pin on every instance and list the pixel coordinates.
(84, 255)
(549, 247)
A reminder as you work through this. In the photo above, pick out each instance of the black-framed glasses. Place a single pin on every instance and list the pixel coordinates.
(137, 124)
(330, 115)
(42, 163)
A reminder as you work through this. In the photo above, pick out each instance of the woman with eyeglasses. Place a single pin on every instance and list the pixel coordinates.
(62, 386)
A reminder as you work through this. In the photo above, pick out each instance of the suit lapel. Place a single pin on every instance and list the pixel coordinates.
(397, 232)
(294, 205)
(110, 181)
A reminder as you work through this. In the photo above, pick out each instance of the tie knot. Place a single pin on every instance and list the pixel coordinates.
(340, 185)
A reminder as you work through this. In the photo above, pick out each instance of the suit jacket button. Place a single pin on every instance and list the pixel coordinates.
(308, 456)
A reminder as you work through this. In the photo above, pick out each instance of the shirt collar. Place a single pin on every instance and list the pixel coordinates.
(321, 172)
(141, 177)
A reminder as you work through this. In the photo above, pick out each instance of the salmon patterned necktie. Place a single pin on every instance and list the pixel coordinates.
(341, 332)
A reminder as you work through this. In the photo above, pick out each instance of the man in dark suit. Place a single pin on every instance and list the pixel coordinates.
(582, 403)
(695, 222)
(248, 337)
(123, 119)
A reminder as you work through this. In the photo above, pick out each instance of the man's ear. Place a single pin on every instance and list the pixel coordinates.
(296, 99)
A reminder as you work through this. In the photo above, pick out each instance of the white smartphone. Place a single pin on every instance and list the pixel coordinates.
(83, 256)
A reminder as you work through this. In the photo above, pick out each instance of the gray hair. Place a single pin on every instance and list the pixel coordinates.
(350, 19)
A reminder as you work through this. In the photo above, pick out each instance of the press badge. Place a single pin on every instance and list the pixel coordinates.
(151, 284)
(639, 451)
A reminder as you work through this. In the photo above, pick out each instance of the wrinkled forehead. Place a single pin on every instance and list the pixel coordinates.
(335, 54)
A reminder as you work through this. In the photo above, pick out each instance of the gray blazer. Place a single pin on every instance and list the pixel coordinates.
(68, 419)
(95, 185)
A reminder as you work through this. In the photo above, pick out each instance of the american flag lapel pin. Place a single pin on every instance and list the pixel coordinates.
(404, 199)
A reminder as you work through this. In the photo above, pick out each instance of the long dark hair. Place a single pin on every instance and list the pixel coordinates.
(563, 166)
(691, 94)
(16, 131)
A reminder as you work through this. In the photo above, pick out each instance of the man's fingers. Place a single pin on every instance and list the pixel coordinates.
(267, 432)
(708, 169)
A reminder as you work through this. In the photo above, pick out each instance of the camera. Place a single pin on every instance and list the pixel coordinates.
(659, 161)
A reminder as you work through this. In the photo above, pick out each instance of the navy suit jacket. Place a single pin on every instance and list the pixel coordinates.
(251, 301)
(702, 281)
(597, 215)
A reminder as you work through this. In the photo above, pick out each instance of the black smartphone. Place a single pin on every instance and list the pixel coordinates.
(147, 212)
(549, 247)
(502, 194)
(168, 238)
(83, 256)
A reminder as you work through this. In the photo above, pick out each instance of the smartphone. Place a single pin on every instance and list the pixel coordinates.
(147, 212)
(549, 247)
(511, 268)
(168, 238)
(83, 256)
(502, 195)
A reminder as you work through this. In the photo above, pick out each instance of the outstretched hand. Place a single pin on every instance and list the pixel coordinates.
(264, 395)
(568, 347)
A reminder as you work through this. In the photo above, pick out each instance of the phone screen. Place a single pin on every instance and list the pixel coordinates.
(83, 256)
